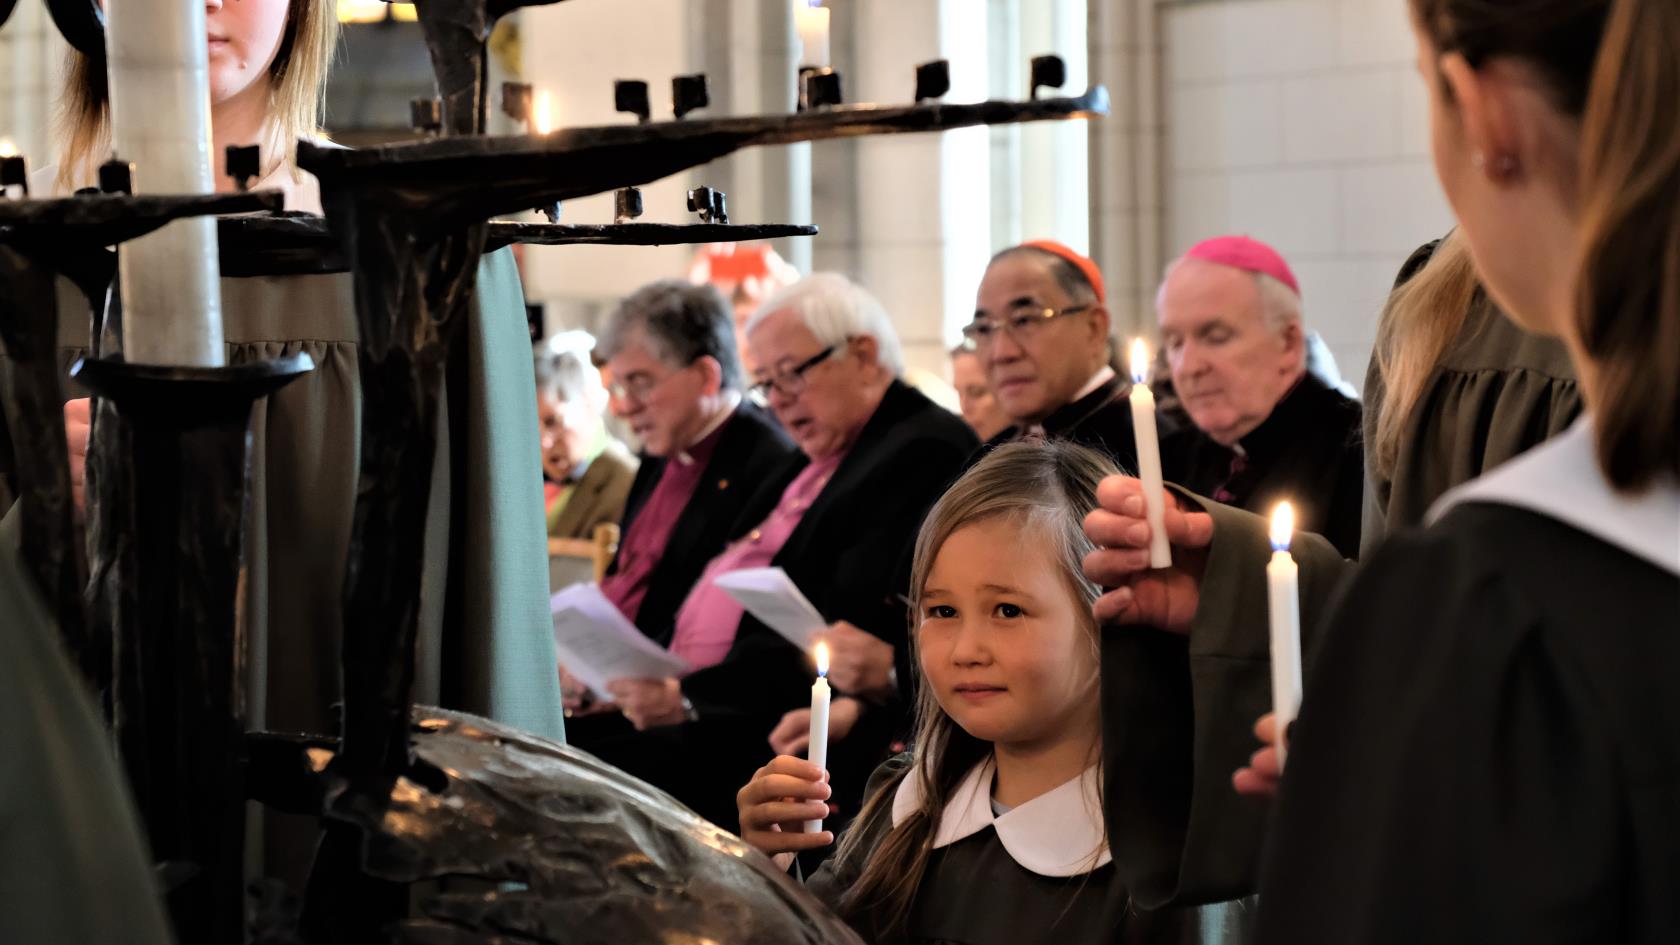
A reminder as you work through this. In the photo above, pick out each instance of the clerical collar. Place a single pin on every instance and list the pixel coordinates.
(1074, 410)
(1561, 479)
(685, 455)
(1059, 833)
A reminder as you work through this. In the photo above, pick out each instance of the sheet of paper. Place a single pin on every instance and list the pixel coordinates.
(771, 596)
(597, 645)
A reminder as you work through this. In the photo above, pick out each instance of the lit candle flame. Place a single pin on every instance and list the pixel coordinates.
(1283, 526)
(822, 659)
(7, 148)
(1140, 361)
(542, 114)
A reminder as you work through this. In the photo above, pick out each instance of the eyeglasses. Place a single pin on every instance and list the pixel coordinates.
(1020, 324)
(791, 381)
(637, 386)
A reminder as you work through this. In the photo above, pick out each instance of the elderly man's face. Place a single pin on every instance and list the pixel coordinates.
(660, 402)
(1228, 366)
(825, 406)
(568, 430)
(1035, 373)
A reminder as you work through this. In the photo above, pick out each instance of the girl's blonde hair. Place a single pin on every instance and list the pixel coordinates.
(1047, 488)
(1423, 317)
(297, 86)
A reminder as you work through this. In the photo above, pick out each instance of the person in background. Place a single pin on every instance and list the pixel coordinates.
(1263, 428)
(980, 408)
(668, 351)
(1040, 329)
(839, 517)
(586, 473)
(746, 274)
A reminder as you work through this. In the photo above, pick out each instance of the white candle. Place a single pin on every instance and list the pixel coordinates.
(542, 113)
(1149, 457)
(160, 121)
(1283, 593)
(812, 20)
(818, 750)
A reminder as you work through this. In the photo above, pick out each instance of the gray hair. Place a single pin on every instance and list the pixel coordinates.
(835, 308)
(681, 323)
(565, 372)
(1280, 306)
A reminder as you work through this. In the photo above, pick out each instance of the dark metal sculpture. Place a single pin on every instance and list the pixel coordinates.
(579, 853)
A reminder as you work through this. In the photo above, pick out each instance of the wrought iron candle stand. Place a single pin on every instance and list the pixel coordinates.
(533, 841)
(167, 470)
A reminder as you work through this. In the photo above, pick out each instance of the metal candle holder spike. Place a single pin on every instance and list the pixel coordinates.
(689, 93)
(933, 80)
(819, 88)
(243, 163)
(631, 96)
(1047, 72)
(627, 204)
(712, 205)
(518, 99)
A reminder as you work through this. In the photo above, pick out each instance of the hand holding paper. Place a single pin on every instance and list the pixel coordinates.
(597, 645)
(771, 596)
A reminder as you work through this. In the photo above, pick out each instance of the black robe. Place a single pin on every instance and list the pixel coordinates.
(849, 555)
(1308, 452)
(1101, 420)
(975, 892)
(1489, 745)
(749, 450)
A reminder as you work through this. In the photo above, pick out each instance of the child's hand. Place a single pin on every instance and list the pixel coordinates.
(775, 804)
(1138, 595)
(1263, 773)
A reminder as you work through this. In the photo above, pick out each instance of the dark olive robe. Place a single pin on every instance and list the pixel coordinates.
(1179, 712)
(73, 866)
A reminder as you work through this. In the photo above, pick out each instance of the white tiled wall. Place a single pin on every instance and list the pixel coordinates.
(1302, 123)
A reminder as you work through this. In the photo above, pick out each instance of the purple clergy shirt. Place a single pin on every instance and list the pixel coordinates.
(708, 619)
(642, 545)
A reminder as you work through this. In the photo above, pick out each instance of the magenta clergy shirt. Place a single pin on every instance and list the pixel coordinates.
(643, 543)
(707, 621)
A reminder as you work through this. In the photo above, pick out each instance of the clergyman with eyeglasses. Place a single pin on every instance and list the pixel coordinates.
(1041, 330)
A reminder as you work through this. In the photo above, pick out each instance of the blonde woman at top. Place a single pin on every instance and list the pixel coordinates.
(485, 553)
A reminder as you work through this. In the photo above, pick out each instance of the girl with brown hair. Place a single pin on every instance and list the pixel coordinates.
(1489, 746)
(991, 830)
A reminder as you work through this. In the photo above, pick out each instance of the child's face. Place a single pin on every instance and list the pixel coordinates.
(1002, 639)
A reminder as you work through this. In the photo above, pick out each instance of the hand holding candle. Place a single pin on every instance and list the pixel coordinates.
(818, 753)
(1283, 593)
(1149, 457)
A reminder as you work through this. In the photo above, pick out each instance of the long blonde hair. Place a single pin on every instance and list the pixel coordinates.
(1422, 318)
(1048, 488)
(297, 87)
(1611, 64)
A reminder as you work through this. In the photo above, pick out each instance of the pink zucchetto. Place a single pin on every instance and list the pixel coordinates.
(1249, 255)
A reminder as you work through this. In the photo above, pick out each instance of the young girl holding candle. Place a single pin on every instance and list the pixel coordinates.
(991, 830)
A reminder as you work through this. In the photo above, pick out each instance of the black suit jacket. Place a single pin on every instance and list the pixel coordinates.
(1101, 420)
(751, 449)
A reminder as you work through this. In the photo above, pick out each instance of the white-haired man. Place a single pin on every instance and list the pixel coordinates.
(840, 517)
(1265, 429)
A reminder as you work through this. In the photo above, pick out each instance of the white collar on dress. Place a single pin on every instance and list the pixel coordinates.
(1059, 833)
(1561, 479)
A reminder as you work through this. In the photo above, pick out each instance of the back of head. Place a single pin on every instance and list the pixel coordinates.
(1048, 487)
(834, 308)
(680, 323)
(1611, 65)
